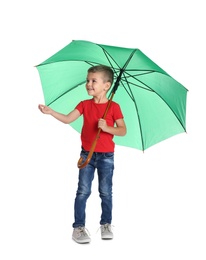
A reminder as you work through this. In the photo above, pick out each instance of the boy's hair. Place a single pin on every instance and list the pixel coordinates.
(108, 72)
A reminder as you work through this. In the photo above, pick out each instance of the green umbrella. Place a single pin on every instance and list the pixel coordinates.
(153, 103)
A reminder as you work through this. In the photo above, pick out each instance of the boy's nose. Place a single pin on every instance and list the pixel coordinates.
(88, 84)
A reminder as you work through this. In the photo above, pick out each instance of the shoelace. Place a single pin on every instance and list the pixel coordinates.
(105, 227)
(84, 231)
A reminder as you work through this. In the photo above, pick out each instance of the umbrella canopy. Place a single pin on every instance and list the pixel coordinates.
(153, 103)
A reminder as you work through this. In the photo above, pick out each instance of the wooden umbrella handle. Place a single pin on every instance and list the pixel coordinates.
(82, 165)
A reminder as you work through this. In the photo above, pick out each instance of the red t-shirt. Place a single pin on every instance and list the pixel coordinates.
(92, 112)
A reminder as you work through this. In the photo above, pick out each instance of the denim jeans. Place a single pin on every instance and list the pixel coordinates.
(104, 163)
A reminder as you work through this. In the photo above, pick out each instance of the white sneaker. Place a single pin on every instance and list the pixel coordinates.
(81, 235)
(106, 231)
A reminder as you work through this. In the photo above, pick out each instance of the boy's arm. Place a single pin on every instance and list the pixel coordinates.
(67, 119)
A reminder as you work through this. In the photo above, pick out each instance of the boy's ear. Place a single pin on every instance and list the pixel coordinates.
(107, 86)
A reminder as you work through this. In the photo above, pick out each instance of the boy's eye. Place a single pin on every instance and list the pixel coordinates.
(93, 80)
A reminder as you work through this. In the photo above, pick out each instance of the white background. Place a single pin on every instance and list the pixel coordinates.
(159, 196)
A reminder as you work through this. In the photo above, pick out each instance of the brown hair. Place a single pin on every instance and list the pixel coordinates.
(108, 72)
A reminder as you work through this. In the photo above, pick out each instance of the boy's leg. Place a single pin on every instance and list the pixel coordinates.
(86, 176)
(105, 174)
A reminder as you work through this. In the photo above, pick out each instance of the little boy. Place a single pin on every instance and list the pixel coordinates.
(98, 82)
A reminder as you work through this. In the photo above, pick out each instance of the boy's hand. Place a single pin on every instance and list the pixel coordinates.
(102, 124)
(44, 109)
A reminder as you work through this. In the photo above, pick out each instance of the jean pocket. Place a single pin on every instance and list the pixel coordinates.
(109, 155)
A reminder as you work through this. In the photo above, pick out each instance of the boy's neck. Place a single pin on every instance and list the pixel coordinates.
(100, 100)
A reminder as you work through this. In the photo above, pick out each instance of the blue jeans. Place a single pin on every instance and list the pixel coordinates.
(104, 163)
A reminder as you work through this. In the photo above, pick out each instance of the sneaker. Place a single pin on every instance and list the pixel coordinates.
(81, 235)
(106, 231)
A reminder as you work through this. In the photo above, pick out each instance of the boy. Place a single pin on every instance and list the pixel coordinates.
(99, 80)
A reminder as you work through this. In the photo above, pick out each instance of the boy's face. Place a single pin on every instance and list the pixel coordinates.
(96, 85)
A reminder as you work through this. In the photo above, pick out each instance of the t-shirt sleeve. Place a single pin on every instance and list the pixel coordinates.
(80, 107)
(117, 112)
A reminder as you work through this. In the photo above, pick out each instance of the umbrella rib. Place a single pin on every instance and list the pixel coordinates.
(91, 64)
(109, 57)
(131, 83)
(152, 90)
(66, 92)
(165, 103)
(136, 108)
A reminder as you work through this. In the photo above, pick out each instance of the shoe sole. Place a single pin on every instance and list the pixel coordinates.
(81, 242)
(107, 238)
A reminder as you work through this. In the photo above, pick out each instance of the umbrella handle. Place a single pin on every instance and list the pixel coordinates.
(82, 165)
